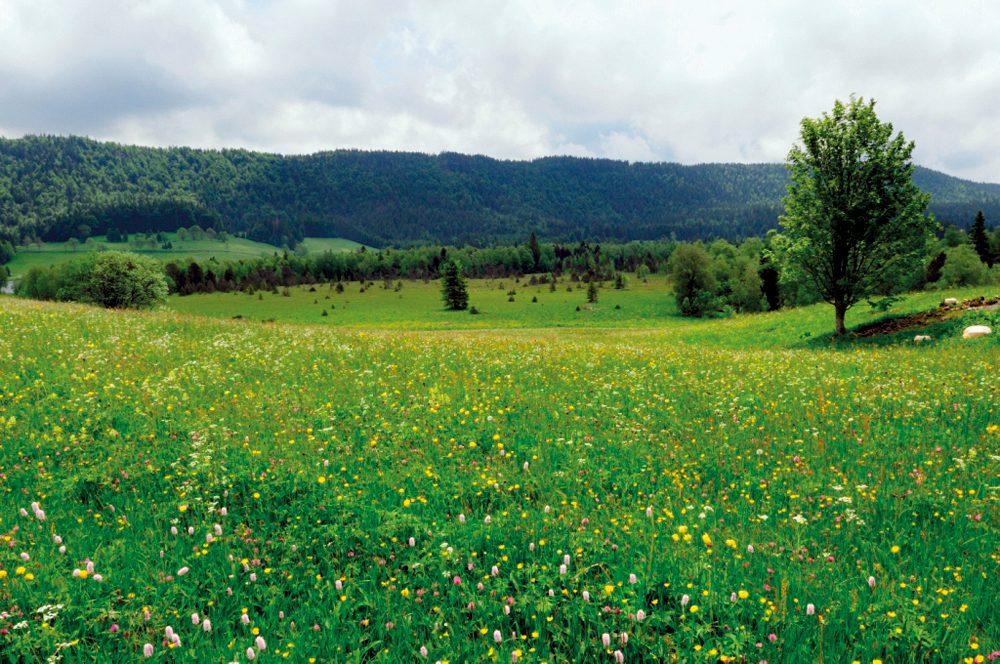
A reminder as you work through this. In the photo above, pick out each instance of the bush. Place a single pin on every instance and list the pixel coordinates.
(113, 279)
(119, 280)
(964, 268)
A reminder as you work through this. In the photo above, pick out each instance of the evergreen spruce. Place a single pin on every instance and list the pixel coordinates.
(453, 290)
(980, 241)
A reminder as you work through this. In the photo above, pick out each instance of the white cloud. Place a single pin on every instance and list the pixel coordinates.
(642, 80)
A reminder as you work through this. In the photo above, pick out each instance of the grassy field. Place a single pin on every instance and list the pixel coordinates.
(417, 305)
(51, 253)
(644, 489)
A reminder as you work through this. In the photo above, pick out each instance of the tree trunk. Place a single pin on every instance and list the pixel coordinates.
(840, 308)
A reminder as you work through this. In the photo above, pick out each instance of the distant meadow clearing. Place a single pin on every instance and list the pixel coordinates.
(634, 488)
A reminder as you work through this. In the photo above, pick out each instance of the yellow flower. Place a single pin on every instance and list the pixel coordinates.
(706, 540)
(609, 588)
(694, 608)
(321, 479)
(742, 594)
(20, 570)
(894, 549)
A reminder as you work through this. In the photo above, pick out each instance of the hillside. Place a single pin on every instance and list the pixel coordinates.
(51, 186)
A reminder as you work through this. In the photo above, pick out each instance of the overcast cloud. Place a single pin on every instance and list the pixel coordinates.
(643, 81)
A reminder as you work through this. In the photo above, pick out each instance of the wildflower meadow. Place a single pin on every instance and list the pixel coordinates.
(179, 489)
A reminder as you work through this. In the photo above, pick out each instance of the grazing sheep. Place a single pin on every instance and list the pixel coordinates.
(920, 338)
(950, 301)
(974, 331)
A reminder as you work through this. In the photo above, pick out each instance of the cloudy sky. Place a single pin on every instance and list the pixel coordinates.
(686, 81)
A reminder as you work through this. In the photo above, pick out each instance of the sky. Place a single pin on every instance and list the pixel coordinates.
(680, 81)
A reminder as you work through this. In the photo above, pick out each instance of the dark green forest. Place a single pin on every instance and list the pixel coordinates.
(53, 188)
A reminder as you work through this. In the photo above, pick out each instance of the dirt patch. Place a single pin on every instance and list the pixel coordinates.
(925, 318)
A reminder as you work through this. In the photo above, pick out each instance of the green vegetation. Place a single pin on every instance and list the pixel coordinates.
(854, 221)
(710, 490)
(231, 248)
(55, 188)
(453, 289)
(116, 280)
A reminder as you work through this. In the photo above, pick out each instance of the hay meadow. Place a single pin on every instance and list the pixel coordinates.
(391, 482)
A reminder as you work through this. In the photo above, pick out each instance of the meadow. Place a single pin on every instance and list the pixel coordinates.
(233, 248)
(607, 485)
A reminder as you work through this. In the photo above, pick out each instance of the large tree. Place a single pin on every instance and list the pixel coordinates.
(854, 222)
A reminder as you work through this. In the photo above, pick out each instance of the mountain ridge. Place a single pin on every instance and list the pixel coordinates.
(54, 187)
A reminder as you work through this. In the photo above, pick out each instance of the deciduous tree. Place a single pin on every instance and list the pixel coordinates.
(853, 216)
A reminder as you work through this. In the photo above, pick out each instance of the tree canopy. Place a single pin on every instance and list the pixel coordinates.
(854, 220)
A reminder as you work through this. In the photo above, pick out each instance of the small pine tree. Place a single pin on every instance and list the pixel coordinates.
(592, 292)
(980, 241)
(453, 289)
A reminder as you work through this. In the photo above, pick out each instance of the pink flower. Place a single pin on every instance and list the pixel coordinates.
(871, 582)
(182, 571)
(562, 569)
(251, 655)
(772, 637)
(147, 650)
(640, 615)
(98, 578)
(497, 636)
(114, 627)
(586, 595)
(195, 619)
(606, 640)
(632, 579)
(245, 619)
(457, 580)
(684, 600)
(810, 609)
(261, 644)
(649, 511)
(619, 656)
(423, 651)
(206, 625)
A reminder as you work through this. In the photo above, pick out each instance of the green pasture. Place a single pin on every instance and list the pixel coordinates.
(417, 305)
(233, 248)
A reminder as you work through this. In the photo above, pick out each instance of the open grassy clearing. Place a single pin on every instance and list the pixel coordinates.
(361, 495)
(234, 248)
(417, 305)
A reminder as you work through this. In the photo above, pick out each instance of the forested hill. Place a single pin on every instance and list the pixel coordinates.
(57, 187)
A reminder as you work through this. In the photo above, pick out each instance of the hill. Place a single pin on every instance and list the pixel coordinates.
(57, 187)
